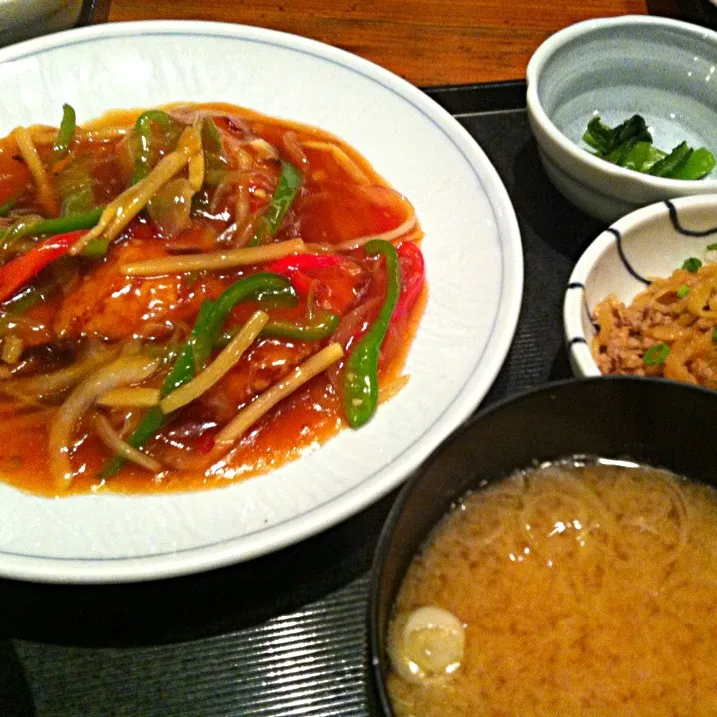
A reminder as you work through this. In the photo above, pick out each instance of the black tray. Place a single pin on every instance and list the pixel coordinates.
(282, 635)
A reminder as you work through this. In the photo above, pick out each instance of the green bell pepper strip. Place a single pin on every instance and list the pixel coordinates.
(198, 348)
(143, 137)
(96, 248)
(320, 326)
(258, 286)
(7, 206)
(64, 138)
(76, 187)
(70, 223)
(281, 200)
(215, 163)
(360, 382)
(30, 296)
(61, 225)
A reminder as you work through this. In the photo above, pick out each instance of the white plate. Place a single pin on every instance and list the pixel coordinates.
(474, 270)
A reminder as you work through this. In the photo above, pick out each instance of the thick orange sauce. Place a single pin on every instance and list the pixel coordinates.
(331, 208)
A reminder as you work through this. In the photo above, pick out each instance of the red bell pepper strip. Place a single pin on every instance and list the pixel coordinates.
(20, 270)
(413, 276)
(295, 266)
(205, 443)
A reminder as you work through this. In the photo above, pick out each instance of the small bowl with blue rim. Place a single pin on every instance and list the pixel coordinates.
(658, 69)
(648, 243)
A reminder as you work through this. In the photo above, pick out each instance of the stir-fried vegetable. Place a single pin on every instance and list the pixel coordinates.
(117, 215)
(61, 225)
(170, 129)
(281, 200)
(182, 372)
(8, 205)
(295, 267)
(313, 366)
(360, 389)
(171, 206)
(65, 135)
(413, 278)
(244, 256)
(630, 145)
(30, 296)
(214, 159)
(16, 273)
(76, 187)
(319, 326)
(218, 368)
(201, 342)
(150, 338)
(31, 157)
(121, 372)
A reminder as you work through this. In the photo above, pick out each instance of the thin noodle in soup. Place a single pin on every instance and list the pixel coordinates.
(573, 589)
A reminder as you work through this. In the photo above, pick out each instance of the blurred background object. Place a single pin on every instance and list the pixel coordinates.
(702, 12)
(23, 19)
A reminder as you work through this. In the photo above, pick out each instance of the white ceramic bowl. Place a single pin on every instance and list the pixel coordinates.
(662, 69)
(650, 242)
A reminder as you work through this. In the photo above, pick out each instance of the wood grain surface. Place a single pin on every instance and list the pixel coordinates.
(428, 42)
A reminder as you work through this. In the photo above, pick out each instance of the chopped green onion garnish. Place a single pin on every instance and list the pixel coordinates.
(683, 291)
(711, 247)
(692, 264)
(714, 336)
(656, 354)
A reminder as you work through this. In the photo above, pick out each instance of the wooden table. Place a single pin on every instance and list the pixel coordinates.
(428, 42)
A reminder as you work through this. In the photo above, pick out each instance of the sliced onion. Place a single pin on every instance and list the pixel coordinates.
(171, 206)
(243, 237)
(390, 235)
(429, 643)
(263, 149)
(57, 381)
(121, 372)
(111, 439)
(45, 195)
(242, 207)
(294, 152)
(341, 158)
(125, 207)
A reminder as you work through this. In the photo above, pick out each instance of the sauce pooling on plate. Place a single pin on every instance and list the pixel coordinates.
(567, 589)
(191, 295)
